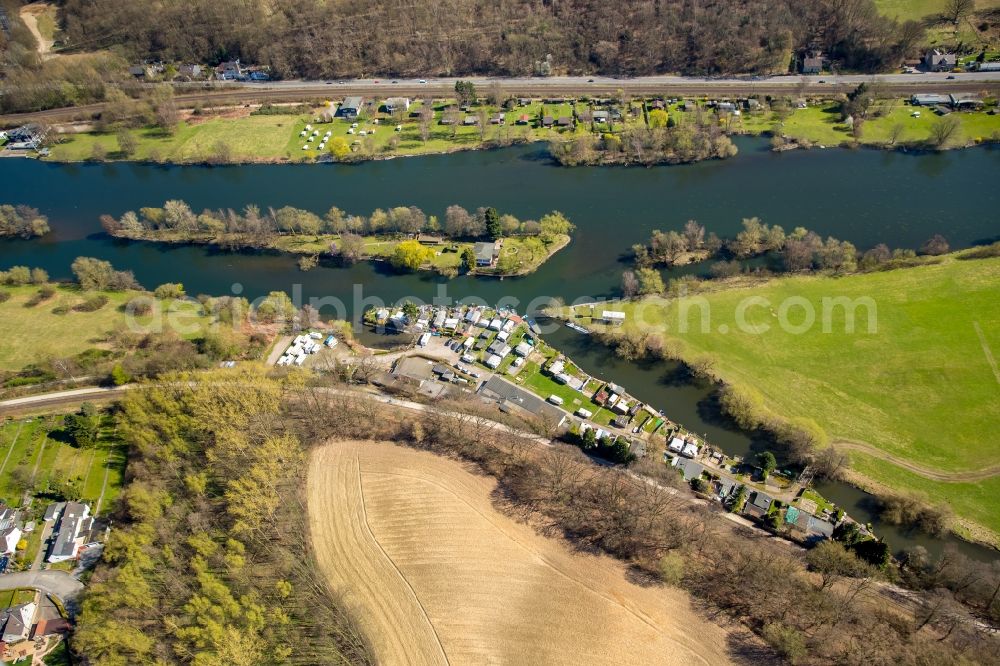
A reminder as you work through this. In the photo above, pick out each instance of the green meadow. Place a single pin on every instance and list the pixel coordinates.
(922, 384)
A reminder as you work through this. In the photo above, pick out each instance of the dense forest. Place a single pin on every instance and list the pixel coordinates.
(318, 38)
(209, 563)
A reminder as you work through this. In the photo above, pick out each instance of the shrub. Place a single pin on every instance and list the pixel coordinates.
(43, 294)
(169, 290)
(92, 304)
(4, 296)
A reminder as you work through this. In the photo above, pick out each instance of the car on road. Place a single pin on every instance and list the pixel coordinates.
(341, 82)
(950, 77)
(590, 80)
(422, 81)
(395, 81)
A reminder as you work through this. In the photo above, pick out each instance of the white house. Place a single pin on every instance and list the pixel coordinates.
(394, 104)
(17, 622)
(74, 524)
(8, 540)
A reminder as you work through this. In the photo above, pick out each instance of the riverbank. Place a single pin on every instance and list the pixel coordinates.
(593, 127)
(913, 387)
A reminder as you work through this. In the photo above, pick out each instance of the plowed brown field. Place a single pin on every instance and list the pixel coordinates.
(436, 575)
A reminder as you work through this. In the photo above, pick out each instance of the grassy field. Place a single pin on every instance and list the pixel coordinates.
(36, 450)
(254, 138)
(9, 598)
(822, 125)
(974, 501)
(918, 9)
(415, 544)
(33, 334)
(921, 387)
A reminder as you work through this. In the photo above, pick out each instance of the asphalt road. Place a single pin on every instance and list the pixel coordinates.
(58, 584)
(557, 86)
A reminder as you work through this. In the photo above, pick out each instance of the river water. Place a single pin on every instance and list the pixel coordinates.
(866, 197)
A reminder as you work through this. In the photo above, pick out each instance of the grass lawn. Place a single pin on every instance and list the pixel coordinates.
(978, 502)
(544, 386)
(920, 387)
(10, 598)
(50, 463)
(917, 9)
(251, 138)
(822, 125)
(33, 334)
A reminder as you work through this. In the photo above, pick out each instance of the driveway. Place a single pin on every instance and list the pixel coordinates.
(58, 584)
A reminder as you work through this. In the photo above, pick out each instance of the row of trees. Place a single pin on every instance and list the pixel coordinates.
(800, 250)
(22, 221)
(255, 227)
(809, 610)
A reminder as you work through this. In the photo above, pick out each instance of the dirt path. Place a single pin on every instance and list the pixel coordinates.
(919, 470)
(11, 449)
(29, 14)
(437, 575)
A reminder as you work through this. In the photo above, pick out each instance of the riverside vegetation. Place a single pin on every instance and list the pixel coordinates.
(856, 392)
(404, 236)
(86, 330)
(22, 222)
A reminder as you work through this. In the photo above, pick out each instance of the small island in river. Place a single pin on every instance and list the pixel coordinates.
(483, 242)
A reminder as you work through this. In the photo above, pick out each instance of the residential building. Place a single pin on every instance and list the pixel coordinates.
(690, 469)
(486, 254)
(929, 99)
(812, 65)
(71, 532)
(8, 539)
(940, 61)
(564, 121)
(26, 137)
(17, 622)
(523, 349)
(510, 396)
(190, 71)
(351, 107)
(230, 71)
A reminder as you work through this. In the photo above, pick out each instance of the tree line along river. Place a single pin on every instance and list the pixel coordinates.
(864, 196)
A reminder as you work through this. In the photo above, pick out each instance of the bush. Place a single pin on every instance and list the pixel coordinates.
(92, 304)
(4, 296)
(984, 252)
(786, 641)
(169, 290)
(43, 294)
(60, 310)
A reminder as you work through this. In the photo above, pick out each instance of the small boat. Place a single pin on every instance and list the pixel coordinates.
(534, 327)
(577, 328)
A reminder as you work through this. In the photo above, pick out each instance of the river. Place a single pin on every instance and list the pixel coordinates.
(864, 196)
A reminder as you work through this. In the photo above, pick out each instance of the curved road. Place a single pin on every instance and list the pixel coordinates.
(919, 470)
(58, 584)
(189, 94)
